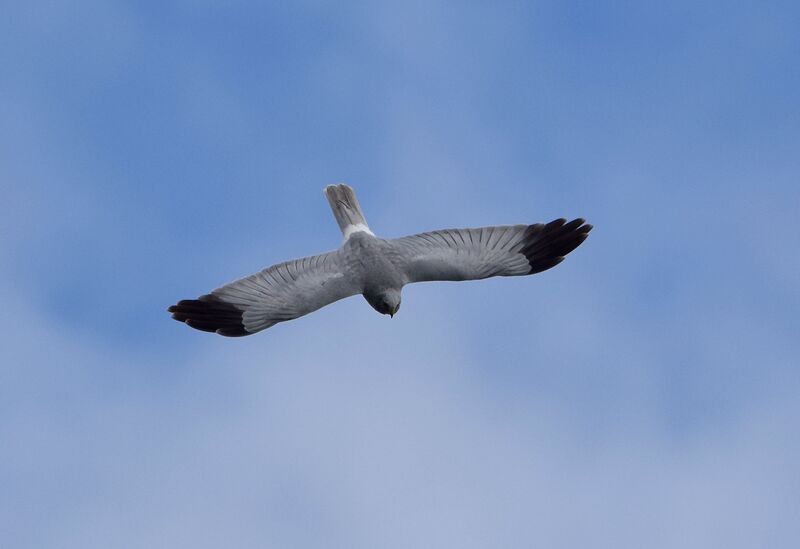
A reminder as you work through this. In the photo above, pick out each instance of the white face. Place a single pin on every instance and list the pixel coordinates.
(393, 305)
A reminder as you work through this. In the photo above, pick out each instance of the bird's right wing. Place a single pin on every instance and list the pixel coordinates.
(282, 292)
(472, 254)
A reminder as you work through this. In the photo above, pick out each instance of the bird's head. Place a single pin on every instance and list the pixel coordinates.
(386, 302)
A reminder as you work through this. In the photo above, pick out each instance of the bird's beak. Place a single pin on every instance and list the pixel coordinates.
(391, 315)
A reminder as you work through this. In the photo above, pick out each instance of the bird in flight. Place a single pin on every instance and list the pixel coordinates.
(376, 268)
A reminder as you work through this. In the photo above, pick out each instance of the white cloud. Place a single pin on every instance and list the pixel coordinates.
(275, 442)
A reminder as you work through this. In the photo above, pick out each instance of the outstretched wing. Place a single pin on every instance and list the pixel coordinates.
(282, 292)
(472, 254)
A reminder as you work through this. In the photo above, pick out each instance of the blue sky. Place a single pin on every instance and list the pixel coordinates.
(643, 393)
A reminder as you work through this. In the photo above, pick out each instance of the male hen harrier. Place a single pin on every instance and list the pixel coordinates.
(377, 268)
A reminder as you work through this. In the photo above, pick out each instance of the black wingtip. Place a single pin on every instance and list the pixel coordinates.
(545, 246)
(209, 313)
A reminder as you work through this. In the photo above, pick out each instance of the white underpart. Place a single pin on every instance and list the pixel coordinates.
(357, 228)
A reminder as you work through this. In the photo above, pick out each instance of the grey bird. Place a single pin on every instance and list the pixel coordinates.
(376, 268)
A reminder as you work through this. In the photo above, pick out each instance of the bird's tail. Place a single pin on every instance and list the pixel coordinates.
(346, 209)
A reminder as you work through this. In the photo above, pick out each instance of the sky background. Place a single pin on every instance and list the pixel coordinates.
(642, 394)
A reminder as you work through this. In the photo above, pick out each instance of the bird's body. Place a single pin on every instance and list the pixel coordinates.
(377, 268)
(371, 262)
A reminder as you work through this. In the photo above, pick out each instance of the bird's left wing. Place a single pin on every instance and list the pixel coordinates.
(278, 293)
(473, 254)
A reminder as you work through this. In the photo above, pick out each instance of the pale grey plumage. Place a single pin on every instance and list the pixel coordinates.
(464, 254)
(288, 290)
(377, 268)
